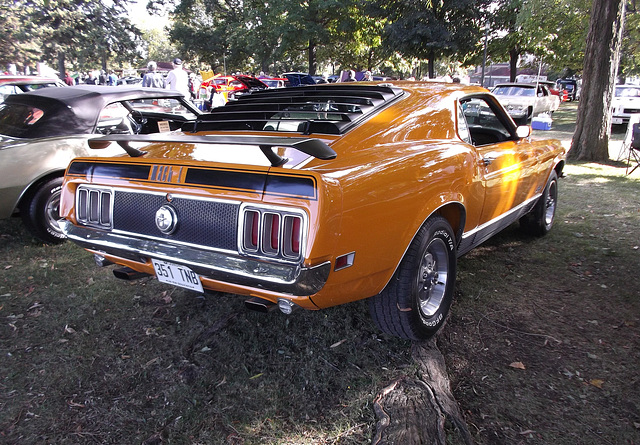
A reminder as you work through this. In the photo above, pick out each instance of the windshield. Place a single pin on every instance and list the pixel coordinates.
(513, 91)
(16, 120)
(627, 92)
(163, 106)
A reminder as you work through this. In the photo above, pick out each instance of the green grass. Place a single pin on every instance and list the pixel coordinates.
(88, 359)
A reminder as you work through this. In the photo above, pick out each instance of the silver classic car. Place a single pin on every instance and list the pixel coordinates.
(525, 101)
(42, 131)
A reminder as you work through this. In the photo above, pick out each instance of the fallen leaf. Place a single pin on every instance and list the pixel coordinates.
(69, 330)
(256, 376)
(517, 365)
(8, 267)
(597, 383)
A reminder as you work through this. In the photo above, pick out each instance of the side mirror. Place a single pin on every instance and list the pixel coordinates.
(524, 131)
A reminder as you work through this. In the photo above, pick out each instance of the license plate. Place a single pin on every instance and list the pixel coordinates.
(616, 120)
(177, 275)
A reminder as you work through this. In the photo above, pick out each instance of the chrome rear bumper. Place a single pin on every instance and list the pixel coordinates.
(291, 279)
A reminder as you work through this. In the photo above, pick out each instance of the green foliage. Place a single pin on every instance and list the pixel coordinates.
(630, 57)
(258, 36)
(16, 34)
(556, 31)
(88, 33)
(430, 30)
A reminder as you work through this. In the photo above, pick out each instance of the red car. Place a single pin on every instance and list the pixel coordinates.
(553, 89)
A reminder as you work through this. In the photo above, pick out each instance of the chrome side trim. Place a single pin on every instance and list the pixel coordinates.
(291, 279)
(480, 234)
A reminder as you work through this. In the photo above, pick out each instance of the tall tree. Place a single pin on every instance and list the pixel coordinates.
(257, 34)
(556, 31)
(604, 40)
(56, 30)
(630, 56)
(428, 29)
(508, 41)
(18, 40)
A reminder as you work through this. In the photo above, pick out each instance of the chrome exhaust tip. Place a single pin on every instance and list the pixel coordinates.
(101, 261)
(259, 305)
(286, 306)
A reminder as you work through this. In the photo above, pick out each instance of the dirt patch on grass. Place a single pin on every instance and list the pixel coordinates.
(542, 345)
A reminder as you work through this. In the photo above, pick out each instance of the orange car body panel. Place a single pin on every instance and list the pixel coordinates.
(390, 174)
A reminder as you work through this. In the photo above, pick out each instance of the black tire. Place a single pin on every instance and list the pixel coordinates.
(415, 303)
(540, 219)
(40, 212)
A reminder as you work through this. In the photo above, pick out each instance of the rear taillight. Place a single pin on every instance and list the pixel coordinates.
(272, 233)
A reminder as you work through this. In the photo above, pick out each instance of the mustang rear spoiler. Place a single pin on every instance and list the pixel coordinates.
(312, 147)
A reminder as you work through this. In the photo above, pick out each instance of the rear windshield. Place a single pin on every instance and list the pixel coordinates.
(16, 120)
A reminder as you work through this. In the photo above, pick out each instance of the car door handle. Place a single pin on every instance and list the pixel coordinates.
(487, 161)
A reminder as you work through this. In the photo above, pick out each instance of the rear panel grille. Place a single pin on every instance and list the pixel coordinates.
(200, 222)
(261, 231)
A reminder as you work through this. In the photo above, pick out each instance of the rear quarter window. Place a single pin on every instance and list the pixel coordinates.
(16, 120)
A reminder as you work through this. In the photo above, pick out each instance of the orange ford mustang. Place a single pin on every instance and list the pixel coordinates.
(319, 195)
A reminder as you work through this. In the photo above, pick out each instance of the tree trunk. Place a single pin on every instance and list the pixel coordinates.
(61, 69)
(602, 54)
(513, 64)
(432, 64)
(413, 409)
(313, 61)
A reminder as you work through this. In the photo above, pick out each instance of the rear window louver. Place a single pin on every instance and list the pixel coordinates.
(333, 109)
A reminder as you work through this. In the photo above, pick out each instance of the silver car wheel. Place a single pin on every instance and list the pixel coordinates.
(550, 204)
(432, 277)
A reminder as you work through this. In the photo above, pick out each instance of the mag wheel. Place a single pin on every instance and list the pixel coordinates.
(415, 303)
(540, 219)
(41, 212)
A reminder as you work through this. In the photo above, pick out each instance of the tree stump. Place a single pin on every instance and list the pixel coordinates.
(413, 410)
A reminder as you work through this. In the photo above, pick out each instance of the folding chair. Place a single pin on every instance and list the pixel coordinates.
(633, 160)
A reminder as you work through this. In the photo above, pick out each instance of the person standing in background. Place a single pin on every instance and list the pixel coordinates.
(153, 79)
(69, 80)
(178, 79)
